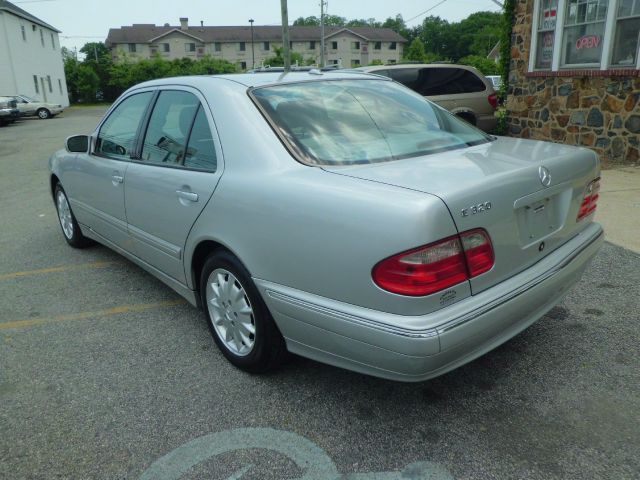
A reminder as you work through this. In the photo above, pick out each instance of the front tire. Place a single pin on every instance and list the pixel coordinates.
(43, 113)
(68, 224)
(238, 318)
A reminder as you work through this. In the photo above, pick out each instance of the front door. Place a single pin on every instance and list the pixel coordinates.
(96, 185)
(169, 185)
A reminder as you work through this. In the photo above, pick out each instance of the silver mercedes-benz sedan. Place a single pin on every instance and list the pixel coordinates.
(339, 216)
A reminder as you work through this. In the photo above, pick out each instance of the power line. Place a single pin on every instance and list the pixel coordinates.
(426, 11)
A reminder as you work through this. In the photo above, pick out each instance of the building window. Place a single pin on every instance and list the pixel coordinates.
(393, 46)
(217, 47)
(627, 37)
(132, 48)
(189, 47)
(377, 46)
(546, 33)
(49, 83)
(35, 83)
(265, 46)
(584, 32)
(42, 37)
(166, 47)
(24, 33)
(243, 65)
(334, 45)
(60, 86)
(242, 46)
(53, 42)
(392, 62)
(355, 45)
(355, 63)
(312, 45)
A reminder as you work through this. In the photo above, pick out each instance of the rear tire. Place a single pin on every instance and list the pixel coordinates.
(238, 318)
(70, 229)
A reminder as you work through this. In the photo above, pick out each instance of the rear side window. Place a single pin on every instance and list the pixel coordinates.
(166, 139)
(409, 77)
(118, 132)
(179, 134)
(449, 81)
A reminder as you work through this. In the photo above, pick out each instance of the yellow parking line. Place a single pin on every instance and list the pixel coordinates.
(63, 268)
(86, 315)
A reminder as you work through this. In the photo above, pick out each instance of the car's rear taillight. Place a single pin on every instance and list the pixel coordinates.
(437, 266)
(590, 200)
(478, 251)
(493, 100)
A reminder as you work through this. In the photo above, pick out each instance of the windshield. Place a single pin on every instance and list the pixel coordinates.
(344, 122)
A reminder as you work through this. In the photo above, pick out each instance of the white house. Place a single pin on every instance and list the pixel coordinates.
(30, 57)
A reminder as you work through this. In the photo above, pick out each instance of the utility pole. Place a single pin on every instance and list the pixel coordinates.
(323, 4)
(253, 55)
(285, 36)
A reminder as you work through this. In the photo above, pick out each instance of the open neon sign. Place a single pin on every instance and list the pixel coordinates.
(588, 41)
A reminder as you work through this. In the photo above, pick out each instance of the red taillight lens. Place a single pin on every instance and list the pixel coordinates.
(590, 200)
(435, 267)
(493, 100)
(478, 251)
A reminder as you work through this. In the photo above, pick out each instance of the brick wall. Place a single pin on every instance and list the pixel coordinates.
(593, 108)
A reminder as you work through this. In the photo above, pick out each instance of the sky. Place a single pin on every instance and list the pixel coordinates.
(83, 21)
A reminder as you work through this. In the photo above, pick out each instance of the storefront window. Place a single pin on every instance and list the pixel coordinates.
(546, 33)
(627, 36)
(584, 31)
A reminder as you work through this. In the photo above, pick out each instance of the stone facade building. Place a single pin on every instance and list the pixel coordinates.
(349, 46)
(575, 75)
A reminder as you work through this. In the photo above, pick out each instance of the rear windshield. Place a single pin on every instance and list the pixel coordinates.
(345, 122)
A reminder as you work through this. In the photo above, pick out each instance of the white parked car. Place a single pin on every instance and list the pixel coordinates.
(30, 106)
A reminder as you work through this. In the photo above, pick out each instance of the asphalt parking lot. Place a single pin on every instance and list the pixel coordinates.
(106, 373)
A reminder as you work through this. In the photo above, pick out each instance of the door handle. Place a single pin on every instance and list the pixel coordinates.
(192, 197)
(117, 178)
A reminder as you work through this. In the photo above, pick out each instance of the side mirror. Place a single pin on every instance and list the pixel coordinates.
(78, 144)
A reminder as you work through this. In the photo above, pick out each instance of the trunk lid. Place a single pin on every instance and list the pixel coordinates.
(498, 187)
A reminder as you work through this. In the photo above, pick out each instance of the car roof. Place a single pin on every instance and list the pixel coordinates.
(394, 66)
(263, 78)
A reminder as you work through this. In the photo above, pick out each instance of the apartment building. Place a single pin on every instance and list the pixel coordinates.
(30, 57)
(246, 46)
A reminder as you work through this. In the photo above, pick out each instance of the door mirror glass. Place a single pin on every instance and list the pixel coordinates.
(78, 144)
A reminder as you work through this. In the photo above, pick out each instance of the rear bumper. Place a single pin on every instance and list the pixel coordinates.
(486, 123)
(380, 344)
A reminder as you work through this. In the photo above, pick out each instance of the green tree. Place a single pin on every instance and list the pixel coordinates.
(485, 65)
(416, 51)
(307, 22)
(88, 84)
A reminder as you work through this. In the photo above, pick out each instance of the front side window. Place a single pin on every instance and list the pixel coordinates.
(166, 137)
(627, 36)
(347, 122)
(117, 134)
(584, 32)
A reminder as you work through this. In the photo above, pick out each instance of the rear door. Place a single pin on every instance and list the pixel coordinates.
(168, 186)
